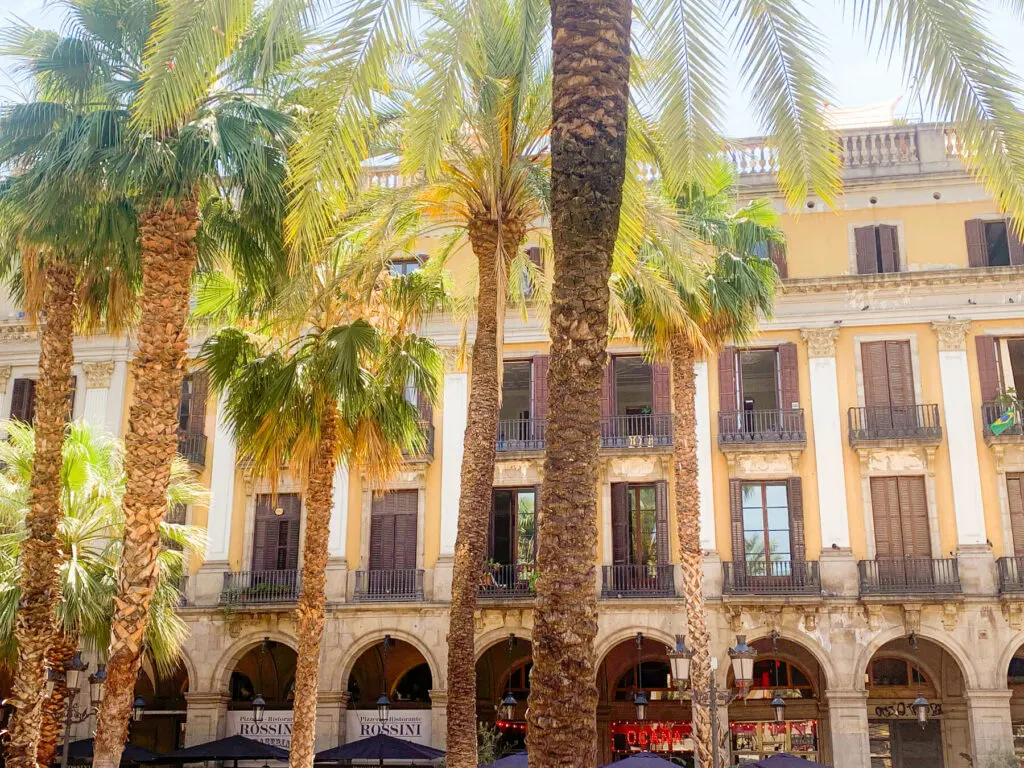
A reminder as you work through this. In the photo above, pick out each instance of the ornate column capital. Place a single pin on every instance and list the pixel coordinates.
(5, 377)
(97, 375)
(453, 361)
(821, 342)
(952, 334)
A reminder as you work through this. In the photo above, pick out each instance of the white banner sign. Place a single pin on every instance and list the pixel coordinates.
(409, 724)
(276, 728)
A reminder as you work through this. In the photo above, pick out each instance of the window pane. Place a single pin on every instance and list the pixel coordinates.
(778, 518)
(889, 672)
(776, 496)
(647, 497)
(752, 496)
(525, 522)
(779, 545)
(753, 520)
(753, 544)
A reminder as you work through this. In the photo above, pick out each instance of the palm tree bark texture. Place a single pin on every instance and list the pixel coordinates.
(55, 707)
(687, 493)
(167, 234)
(590, 95)
(41, 553)
(310, 611)
(494, 242)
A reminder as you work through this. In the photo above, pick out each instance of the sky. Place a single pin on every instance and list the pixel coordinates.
(858, 77)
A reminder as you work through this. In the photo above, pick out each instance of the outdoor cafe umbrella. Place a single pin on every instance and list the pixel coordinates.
(233, 748)
(643, 760)
(782, 760)
(380, 748)
(81, 752)
(515, 760)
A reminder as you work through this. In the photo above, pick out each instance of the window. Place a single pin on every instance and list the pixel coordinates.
(775, 676)
(894, 673)
(900, 512)
(414, 685)
(759, 379)
(404, 266)
(633, 386)
(516, 389)
(766, 527)
(992, 243)
(775, 253)
(276, 532)
(655, 682)
(192, 403)
(23, 399)
(394, 519)
(877, 249)
(513, 526)
(640, 533)
(888, 372)
(518, 680)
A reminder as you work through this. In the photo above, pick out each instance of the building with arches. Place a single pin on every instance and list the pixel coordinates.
(861, 474)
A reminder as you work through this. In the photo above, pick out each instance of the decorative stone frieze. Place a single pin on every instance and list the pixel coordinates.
(97, 375)
(763, 464)
(821, 342)
(952, 334)
(12, 333)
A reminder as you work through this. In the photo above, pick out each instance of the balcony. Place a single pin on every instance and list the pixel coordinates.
(1014, 433)
(521, 435)
(426, 453)
(1011, 575)
(637, 581)
(740, 430)
(779, 577)
(508, 581)
(909, 576)
(192, 445)
(260, 587)
(895, 425)
(646, 430)
(389, 586)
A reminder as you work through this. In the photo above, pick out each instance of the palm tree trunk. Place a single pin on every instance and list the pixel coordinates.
(167, 233)
(590, 94)
(310, 612)
(493, 244)
(687, 491)
(41, 553)
(55, 708)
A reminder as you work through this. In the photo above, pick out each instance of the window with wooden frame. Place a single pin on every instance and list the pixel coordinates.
(640, 534)
(894, 672)
(758, 379)
(1015, 502)
(773, 676)
(276, 532)
(767, 526)
(992, 243)
(192, 403)
(394, 523)
(899, 507)
(774, 252)
(633, 387)
(405, 265)
(877, 249)
(518, 679)
(23, 399)
(512, 535)
(655, 681)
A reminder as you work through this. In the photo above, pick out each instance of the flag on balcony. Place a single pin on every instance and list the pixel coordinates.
(1006, 420)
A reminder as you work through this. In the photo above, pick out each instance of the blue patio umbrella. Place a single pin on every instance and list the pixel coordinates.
(643, 760)
(380, 748)
(783, 760)
(233, 748)
(81, 752)
(515, 760)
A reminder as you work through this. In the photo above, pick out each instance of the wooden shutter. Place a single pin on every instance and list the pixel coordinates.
(291, 504)
(663, 535)
(406, 540)
(425, 408)
(393, 530)
(867, 250)
(777, 256)
(1016, 247)
(534, 254)
(900, 368)
(727, 379)
(914, 517)
(886, 515)
(382, 542)
(977, 245)
(72, 388)
(197, 410)
(888, 239)
(620, 523)
(795, 494)
(661, 388)
(23, 401)
(185, 403)
(265, 536)
(789, 377)
(876, 374)
(608, 389)
(1015, 497)
(536, 519)
(736, 520)
(988, 367)
(540, 387)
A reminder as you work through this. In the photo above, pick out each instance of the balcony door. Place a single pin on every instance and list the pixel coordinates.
(635, 402)
(393, 531)
(524, 404)
(1015, 501)
(511, 541)
(276, 532)
(640, 534)
(899, 508)
(888, 386)
(757, 390)
(768, 532)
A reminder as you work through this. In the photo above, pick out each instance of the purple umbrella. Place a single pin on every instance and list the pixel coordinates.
(233, 748)
(643, 760)
(782, 760)
(380, 748)
(81, 751)
(515, 760)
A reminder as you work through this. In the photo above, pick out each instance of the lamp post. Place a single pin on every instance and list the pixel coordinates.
(71, 675)
(383, 702)
(507, 707)
(742, 656)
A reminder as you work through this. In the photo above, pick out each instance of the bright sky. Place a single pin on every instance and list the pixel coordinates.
(858, 76)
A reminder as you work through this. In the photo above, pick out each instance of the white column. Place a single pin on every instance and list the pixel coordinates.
(958, 412)
(454, 418)
(848, 721)
(828, 436)
(222, 491)
(705, 484)
(97, 392)
(116, 397)
(338, 536)
(988, 712)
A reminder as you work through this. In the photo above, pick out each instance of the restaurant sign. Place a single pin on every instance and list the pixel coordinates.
(275, 729)
(409, 724)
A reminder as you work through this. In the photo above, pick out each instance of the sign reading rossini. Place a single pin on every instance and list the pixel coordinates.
(276, 728)
(409, 724)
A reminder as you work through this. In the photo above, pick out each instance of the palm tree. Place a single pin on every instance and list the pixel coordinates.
(332, 390)
(224, 145)
(90, 490)
(724, 297)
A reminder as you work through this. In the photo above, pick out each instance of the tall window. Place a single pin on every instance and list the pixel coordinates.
(878, 249)
(640, 533)
(402, 267)
(992, 243)
(766, 526)
(513, 526)
(276, 534)
(643, 523)
(759, 379)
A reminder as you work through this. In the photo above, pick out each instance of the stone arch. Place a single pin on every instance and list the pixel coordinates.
(807, 643)
(1015, 644)
(608, 643)
(493, 637)
(220, 680)
(941, 639)
(369, 639)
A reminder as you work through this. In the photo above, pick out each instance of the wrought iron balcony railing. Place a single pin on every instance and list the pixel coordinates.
(638, 581)
(646, 430)
(779, 577)
(507, 581)
(383, 586)
(260, 587)
(521, 435)
(426, 452)
(881, 424)
(1011, 574)
(990, 414)
(909, 576)
(192, 445)
(752, 427)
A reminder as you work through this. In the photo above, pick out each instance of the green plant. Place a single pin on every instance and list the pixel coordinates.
(488, 743)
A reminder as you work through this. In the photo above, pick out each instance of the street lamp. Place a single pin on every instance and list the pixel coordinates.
(71, 677)
(507, 707)
(640, 702)
(96, 682)
(743, 656)
(778, 705)
(138, 709)
(639, 698)
(259, 706)
(383, 708)
(921, 707)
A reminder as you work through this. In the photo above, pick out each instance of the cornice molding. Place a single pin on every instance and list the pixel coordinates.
(988, 277)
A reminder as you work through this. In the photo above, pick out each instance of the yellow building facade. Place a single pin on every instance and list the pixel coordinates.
(862, 520)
